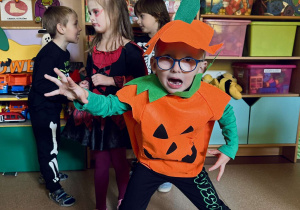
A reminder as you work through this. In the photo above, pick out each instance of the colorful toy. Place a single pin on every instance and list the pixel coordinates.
(227, 7)
(227, 83)
(11, 117)
(19, 82)
(18, 106)
(277, 7)
(46, 37)
(3, 83)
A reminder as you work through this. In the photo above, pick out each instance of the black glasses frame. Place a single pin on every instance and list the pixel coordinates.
(177, 60)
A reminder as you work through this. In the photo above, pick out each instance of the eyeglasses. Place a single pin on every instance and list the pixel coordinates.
(185, 64)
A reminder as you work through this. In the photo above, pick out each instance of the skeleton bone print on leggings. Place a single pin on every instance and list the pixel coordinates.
(53, 163)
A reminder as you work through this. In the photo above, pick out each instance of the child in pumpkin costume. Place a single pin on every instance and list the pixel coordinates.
(170, 116)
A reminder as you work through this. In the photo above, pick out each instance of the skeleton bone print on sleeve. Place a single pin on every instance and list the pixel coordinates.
(147, 58)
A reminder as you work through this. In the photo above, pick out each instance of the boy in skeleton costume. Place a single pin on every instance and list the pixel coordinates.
(62, 25)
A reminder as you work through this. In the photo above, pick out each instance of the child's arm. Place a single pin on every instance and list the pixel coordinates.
(229, 150)
(67, 87)
(84, 100)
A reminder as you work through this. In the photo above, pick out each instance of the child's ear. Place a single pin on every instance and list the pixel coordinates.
(153, 64)
(202, 67)
(60, 28)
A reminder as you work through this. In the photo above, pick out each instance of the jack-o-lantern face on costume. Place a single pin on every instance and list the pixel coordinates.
(175, 147)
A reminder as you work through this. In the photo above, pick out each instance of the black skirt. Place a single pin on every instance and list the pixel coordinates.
(95, 132)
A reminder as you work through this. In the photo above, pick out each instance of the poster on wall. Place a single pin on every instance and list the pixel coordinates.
(16, 11)
(41, 6)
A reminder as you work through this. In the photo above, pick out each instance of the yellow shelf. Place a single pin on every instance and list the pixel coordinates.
(27, 123)
(12, 98)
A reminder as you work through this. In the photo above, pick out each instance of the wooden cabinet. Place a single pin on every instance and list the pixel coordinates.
(273, 122)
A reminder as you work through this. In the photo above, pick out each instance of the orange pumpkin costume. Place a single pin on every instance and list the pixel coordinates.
(171, 134)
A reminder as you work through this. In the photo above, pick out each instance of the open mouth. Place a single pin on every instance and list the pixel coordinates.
(174, 83)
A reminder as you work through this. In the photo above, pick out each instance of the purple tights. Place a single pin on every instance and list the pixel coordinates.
(102, 163)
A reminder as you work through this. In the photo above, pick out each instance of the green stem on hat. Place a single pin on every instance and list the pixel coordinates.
(187, 10)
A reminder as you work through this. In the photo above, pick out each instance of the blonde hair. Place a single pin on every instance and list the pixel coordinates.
(117, 12)
(54, 15)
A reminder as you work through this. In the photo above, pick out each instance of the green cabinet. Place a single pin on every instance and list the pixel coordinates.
(18, 151)
(264, 120)
(274, 120)
(241, 110)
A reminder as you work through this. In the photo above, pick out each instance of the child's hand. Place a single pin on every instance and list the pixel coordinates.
(82, 71)
(221, 162)
(99, 79)
(67, 87)
(84, 84)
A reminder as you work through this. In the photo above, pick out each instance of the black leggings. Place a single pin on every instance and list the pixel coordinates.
(144, 182)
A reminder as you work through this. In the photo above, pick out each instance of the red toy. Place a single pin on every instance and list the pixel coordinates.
(11, 117)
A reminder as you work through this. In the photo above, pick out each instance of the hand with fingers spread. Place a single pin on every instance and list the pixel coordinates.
(67, 87)
(99, 79)
(221, 162)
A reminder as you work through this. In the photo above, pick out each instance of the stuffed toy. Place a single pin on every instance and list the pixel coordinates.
(226, 82)
(46, 37)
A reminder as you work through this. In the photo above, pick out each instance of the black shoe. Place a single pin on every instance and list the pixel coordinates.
(62, 198)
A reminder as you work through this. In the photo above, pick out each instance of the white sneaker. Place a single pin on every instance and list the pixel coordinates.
(165, 187)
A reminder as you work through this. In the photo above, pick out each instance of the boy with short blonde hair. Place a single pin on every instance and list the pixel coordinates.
(62, 24)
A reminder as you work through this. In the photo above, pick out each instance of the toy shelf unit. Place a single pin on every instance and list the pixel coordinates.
(14, 90)
(268, 119)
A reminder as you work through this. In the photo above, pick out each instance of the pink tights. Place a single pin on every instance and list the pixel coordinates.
(102, 163)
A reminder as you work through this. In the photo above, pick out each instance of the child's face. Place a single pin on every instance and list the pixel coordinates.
(98, 16)
(147, 23)
(175, 80)
(72, 29)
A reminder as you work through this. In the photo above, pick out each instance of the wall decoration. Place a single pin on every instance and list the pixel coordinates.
(16, 11)
(41, 6)
(3, 41)
(22, 49)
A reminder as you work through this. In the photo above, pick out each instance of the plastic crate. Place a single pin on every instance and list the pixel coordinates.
(231, 33)
(263, 79)
(271, 38)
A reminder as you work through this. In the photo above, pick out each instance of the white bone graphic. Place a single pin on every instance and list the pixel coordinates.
(53, 128)
(53, 164)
